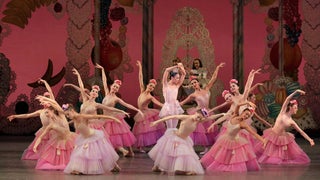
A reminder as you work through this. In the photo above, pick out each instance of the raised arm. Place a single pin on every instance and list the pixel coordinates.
(214, 116)
(142, 88)
(247, 88)
(77, 89)
(287, 100)
(104, 79)
(166, 74)
(255, 86)
(214, 76)
(81, 86)
(47, 87)
(183, 74)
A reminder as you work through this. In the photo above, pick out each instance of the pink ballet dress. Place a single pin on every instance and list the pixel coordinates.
(29, 154)
(280, 149)
(231, 152)
(120, 134)
(171, 106)
(56, 152)
(172, 153)
(199, 136)
(92, 155)
(144, 133)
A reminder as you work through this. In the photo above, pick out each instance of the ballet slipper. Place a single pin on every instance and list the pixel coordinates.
(116, 169)
(156, 169)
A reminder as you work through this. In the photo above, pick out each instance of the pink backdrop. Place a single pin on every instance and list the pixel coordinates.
(44, 37)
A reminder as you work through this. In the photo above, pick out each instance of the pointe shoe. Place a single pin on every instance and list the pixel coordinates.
(156, 169)
(205, 151)
(142, 151)
(116, 169)
(76, 173)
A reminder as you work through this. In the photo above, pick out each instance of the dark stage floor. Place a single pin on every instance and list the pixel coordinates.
(139, 167)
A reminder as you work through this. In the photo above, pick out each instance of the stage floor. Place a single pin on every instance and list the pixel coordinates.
(139, 167)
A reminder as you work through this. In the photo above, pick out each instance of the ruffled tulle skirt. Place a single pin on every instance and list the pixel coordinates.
(169, 109)
(120, 134)
(172, 153)
(144, 133)
(29, 154)
(92, 155)
(230, 155)
(280, 149)
(56, 153)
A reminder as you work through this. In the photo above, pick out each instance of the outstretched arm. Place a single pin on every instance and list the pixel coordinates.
(24, 116)
(130, 106)
(78, 89)
(104, 107)
(218, 121)
(104, 79)
(155, 101)
(214, 76)
(245, 126)
(215, 116)
(219, 106)
(266, 123)
(98, 116)
(188, 99)
(303, 134)
(180, 117)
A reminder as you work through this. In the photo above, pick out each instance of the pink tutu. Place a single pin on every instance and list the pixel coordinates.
(230, 155)
(172, 153)
(119, 133)
(56, 153)
(29, 154)
(144, 133)
(93, 155)
(280, 149)
(98, 125)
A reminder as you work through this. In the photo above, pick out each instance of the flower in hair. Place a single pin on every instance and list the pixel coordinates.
(65, 107)
(251, 109)
(118, 82)
(233, 81)
(193, 78)
(153, 81)
(224, 93)
(46, 94)
(96, 87)
(294, 102)
(204, 112)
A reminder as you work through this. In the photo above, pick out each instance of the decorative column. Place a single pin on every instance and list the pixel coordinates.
(238, 41)
(147, 40)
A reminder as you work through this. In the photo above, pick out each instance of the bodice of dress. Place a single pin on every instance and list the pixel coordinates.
(170, 94)
(45, 121)
(202, 100)
(233, 130)
(88, 108)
